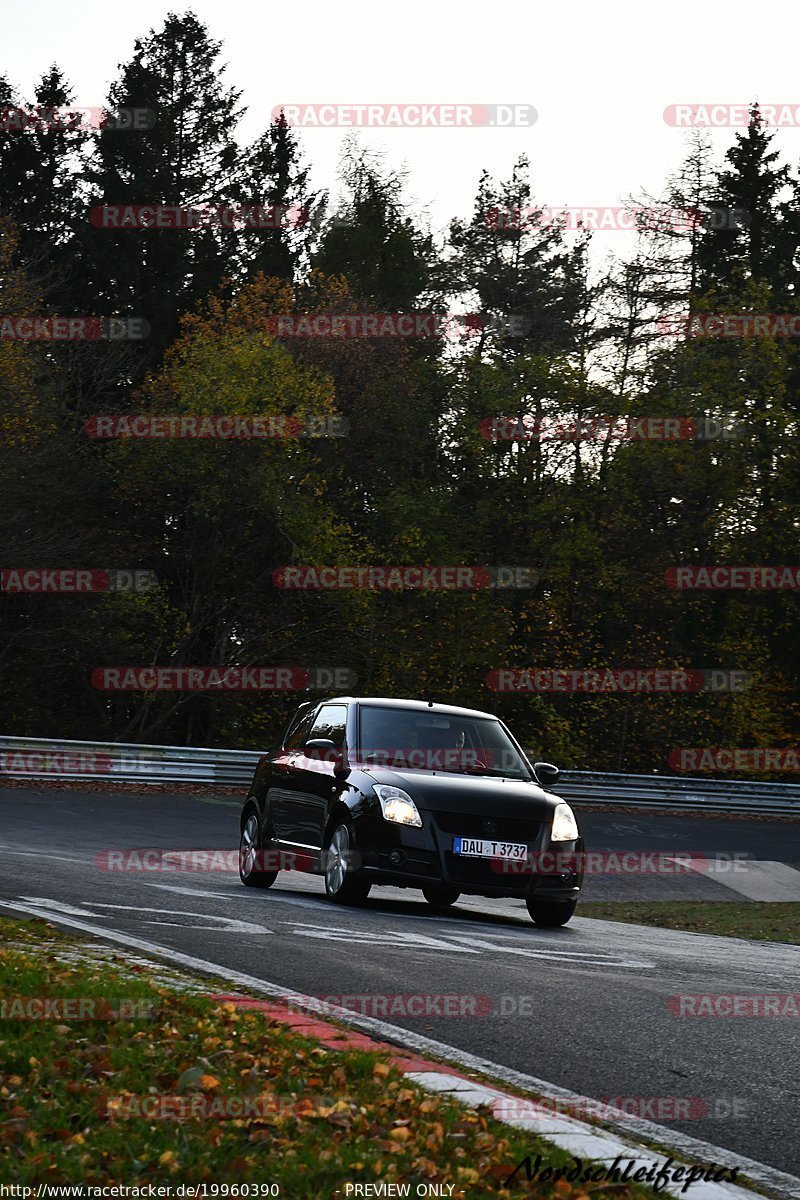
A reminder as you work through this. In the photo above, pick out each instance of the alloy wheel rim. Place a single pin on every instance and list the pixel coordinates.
(247, 852)
(336, 866)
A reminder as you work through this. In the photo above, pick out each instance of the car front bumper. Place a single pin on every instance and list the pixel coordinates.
(404, 856)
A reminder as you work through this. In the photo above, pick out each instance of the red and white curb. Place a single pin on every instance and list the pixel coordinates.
(578, 1138)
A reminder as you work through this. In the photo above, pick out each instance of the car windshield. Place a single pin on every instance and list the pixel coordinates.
(407, 737)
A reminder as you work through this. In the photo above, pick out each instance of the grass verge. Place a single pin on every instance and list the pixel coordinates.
(727, 918)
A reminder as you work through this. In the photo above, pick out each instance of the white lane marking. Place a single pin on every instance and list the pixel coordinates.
(587, 958)
(301, 902)
(227, 924)
(69, 858)
(238, 890)
(774, 882)
(463, 943)
(692, 1148)
(456, 943)
(57, 906)
(165, 887)
(365, 937)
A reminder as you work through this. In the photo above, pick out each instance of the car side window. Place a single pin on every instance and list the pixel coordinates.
(298, 734)
(330, 723)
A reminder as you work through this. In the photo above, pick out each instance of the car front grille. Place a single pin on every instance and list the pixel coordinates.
(496, 829)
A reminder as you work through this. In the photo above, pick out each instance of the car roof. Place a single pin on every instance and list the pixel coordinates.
(418, 705)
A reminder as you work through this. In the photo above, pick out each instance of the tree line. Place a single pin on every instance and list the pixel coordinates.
(509, 439)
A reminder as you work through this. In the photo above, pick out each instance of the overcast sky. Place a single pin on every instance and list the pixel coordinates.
(599, 75)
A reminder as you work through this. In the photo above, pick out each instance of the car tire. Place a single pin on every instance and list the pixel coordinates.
(440, 896)
(249, 850)
(343, 885)
(550, 914)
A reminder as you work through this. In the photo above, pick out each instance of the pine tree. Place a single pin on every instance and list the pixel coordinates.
(273, 176)
(40, 187)
(188, 157)
(515, 263)
(757, 244)
(372, 241)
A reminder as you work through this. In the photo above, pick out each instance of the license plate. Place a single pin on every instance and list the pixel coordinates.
(480, 848)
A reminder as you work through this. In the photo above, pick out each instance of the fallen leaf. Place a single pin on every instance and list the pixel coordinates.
(191, 1075)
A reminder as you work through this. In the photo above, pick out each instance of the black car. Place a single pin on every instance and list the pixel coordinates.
(413, 794)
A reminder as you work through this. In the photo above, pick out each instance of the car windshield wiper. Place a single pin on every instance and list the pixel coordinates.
(477, 769)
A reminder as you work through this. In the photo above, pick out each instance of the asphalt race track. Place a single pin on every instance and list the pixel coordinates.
(585, 1007)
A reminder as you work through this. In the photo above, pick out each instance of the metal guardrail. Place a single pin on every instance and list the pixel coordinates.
(680, 792)
(42, 758)
(125, 762)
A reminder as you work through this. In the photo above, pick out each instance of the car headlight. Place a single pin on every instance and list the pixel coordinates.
(565, 827)
(397, 805)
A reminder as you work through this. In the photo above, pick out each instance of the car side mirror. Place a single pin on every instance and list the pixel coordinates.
(546, 773)
(327, 751)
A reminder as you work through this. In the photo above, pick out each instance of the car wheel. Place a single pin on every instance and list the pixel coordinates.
(549, 914)
(440, 896)
(249, 852)
(342, 884)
